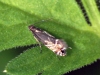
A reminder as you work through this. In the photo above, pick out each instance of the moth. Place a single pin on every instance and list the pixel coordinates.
(58, 46)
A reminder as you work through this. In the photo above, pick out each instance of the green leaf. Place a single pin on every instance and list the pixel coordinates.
(14, 30)
(64, 20)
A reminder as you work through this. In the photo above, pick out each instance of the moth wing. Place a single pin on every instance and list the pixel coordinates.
(43, 37)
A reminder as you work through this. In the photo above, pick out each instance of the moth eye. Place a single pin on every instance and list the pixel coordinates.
(63, 51)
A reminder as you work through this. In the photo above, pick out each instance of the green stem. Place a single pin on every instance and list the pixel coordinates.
(93, 13)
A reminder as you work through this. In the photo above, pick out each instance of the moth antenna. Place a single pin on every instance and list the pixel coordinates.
(44, 20)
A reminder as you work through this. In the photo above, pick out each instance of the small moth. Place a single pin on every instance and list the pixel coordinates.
(58, 46)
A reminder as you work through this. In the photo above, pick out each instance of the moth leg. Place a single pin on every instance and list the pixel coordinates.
(39, 44)
(57, 57)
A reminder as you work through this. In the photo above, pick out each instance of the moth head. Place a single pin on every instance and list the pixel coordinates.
(61, 52)
(31, 27)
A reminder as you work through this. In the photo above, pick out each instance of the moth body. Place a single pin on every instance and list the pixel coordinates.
(58, 46)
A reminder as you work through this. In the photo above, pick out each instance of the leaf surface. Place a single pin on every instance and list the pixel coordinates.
(64, 20)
